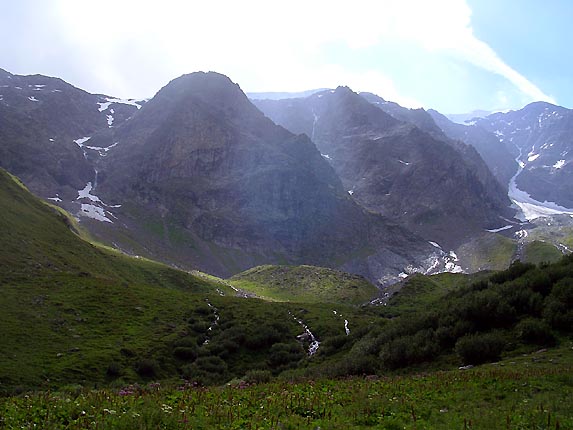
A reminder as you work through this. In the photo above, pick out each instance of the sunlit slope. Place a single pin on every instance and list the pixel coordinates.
(305, 284)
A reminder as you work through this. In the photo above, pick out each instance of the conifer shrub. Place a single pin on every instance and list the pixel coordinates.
(558, 310)
(480, 348)
(535, 331)
(146, 367)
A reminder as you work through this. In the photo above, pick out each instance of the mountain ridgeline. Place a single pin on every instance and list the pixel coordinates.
(200, 178)
(203, 178)
(398, 163)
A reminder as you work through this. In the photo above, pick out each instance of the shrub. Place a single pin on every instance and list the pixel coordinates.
(408, 350)
(333, 344)
(514, 271)
(187, 353)
(146, 367)
(480, 348)
(559, 305)
(114, 369)
(535, 331)
(211, 364)
(258, 376)
(282, 354)
(264, 337)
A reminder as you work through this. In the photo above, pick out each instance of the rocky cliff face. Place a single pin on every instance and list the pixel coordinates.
(201, 160)
(496, 155)
(40, 119)
(412, 174)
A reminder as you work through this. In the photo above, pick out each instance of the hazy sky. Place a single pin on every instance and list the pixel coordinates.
(452, 55)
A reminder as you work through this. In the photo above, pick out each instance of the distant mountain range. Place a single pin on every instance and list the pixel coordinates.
(398, 163)
(199, 177)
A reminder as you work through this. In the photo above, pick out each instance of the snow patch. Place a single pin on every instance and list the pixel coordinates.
(350, 192)
(326, 156)
(559, 164)
(85, 193)
(103, 106)
(55, 199)
(130, 102)
(109, 120)
(434, 244)
(95, 212)
(102, 149)
(404, 162)
(533, 157)
(346, 329)
(496, 230)
(80, 142)
(33, 99)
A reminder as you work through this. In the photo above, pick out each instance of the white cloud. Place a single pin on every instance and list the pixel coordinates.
(268, 45)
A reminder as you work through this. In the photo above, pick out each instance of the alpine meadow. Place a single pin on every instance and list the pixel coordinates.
(303, 248)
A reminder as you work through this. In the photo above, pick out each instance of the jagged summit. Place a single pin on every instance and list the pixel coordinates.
(398, 163)
(226, 175)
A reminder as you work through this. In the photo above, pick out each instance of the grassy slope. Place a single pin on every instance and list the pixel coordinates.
(77, 313)
(70, 307)
(422, 292)
(541, 252)
(488, 252)
(305, 284)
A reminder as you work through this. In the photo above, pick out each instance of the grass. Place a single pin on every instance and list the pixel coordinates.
(541, 252)
(488, 252)
(306, 284)
(532, 391)
(422, 292)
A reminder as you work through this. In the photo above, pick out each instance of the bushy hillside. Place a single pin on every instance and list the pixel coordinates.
(521, 309)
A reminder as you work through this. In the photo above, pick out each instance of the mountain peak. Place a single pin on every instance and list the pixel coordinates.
(208, 88)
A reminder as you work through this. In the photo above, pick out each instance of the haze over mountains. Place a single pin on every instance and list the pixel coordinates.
(199, 177)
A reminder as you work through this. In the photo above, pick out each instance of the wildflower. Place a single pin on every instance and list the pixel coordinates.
(154, 385)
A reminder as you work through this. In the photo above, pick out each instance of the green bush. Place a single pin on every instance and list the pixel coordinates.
(146, 367)
(282, 354)
(258, 376)
(480, 348)
(186, 353)
(114, 369)
(407, 350)
(535, 331)
(211, 364)
(559, 305)
(514, 271)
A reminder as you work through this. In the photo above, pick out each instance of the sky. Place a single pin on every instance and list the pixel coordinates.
(451, 55)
